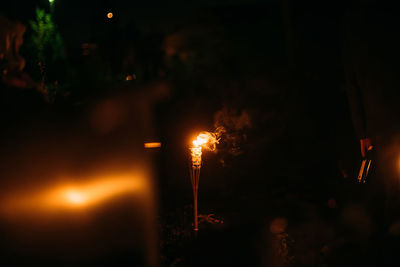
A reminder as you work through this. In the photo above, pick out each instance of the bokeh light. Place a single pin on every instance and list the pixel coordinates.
(152, 144)
(78, 195)
(75, 197)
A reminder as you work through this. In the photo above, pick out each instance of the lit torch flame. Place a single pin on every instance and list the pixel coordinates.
(208, 141)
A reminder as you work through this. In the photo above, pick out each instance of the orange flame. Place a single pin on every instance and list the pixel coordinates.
(204, 139)
(207, 140)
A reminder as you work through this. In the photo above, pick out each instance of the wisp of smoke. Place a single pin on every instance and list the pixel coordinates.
(231, 126)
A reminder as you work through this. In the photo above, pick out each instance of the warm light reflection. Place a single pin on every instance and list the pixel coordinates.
(110, 15)
(152, 144)
(77, 195)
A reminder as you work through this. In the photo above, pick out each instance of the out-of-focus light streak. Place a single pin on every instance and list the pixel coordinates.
(152, 144)
(76, 195)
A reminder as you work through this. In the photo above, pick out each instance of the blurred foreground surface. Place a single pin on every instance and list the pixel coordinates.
(76, 189)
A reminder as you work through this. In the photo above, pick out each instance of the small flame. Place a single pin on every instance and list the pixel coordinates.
(207, 140)
(204, 139)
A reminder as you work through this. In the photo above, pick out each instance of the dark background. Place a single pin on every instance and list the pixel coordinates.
(281, 62)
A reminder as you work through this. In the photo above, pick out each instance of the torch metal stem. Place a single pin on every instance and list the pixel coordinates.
(195, 177)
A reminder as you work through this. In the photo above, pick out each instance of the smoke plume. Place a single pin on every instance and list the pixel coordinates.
(231, 126)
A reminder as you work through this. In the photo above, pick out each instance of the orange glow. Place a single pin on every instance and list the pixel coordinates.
(75, 197)
(152, 144)
(110, 15)
(130, 77)
(196, 155)
(78, 195)
(205, 140)
(91, 193)
(398, 164)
